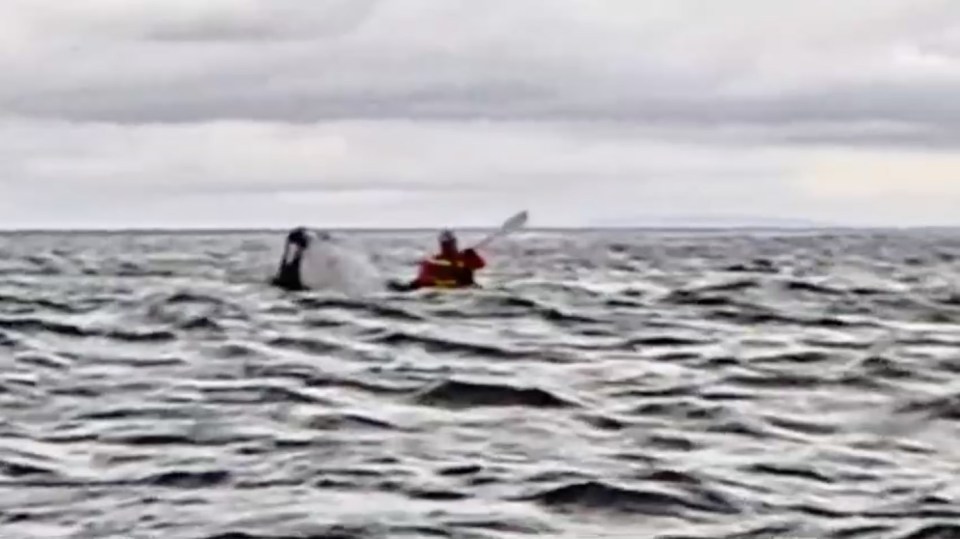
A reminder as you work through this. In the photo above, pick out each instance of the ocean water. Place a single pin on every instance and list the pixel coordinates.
(603, 384)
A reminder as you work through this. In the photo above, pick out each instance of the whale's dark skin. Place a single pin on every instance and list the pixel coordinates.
(288, 275)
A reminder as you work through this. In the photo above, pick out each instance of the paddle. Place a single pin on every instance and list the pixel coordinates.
(510, 225)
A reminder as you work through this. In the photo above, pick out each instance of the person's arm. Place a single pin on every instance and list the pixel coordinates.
(473, 260)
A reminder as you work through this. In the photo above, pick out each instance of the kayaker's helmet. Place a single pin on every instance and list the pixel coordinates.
(447, 239)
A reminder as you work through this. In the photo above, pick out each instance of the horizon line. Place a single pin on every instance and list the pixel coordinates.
(543, 228)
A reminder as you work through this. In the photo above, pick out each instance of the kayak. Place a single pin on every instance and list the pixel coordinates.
(400, 286)
(408, 286)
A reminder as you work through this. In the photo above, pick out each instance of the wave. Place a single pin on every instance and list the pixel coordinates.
(606, 497)
(456, 393)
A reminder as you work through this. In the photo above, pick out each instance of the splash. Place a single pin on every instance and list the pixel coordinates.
(333, 264)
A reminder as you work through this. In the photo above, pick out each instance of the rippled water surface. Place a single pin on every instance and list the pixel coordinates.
(603, 384)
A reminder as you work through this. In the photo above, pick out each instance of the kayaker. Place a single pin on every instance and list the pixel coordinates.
(451, 267)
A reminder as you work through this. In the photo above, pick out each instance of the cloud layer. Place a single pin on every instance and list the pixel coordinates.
(416, 112)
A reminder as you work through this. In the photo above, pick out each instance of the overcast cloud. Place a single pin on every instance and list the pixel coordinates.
(247, 113)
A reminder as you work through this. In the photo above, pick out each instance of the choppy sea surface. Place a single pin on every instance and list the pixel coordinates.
(655, 384)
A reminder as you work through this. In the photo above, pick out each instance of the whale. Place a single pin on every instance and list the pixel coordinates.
(288, 276)
(316, 260)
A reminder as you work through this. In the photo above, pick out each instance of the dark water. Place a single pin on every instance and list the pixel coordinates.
(604, 385)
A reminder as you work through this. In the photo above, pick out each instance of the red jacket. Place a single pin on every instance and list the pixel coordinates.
(457, 271)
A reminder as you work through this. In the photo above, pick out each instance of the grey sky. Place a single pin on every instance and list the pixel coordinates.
(426, 112)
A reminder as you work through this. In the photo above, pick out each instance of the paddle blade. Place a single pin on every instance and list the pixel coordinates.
(515, 222)
(512, 224)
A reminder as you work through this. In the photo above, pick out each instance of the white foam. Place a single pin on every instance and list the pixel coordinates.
(333, 264)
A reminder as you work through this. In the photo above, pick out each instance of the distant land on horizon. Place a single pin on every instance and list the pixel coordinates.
(712, 221)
